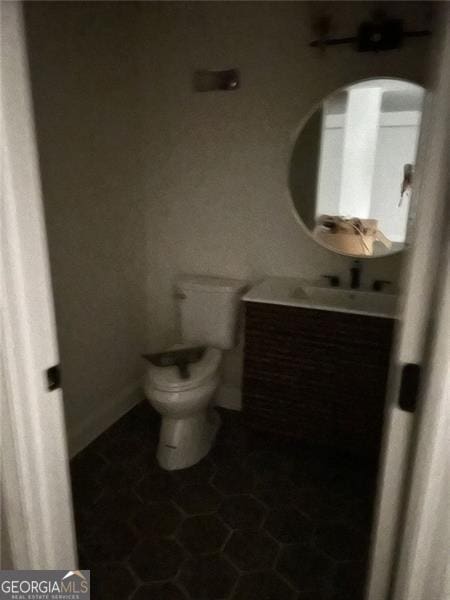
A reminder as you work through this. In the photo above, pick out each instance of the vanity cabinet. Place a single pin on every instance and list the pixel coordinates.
(316, 375)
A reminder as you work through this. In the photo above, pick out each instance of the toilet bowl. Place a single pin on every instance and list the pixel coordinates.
(189, 423)
(208, 307)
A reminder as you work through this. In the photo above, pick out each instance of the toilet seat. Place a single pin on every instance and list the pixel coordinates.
(168, 378)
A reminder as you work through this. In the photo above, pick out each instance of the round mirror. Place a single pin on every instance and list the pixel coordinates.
(352, 167)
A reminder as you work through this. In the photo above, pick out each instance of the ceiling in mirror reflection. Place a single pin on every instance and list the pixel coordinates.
(352, 167)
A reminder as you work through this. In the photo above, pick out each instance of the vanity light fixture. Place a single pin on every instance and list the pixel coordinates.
(377, 35)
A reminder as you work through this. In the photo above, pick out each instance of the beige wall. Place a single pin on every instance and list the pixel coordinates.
(86, 92)
(145, 178)
(218, 201)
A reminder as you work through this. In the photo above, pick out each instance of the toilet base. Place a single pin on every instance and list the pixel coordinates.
(184, 442)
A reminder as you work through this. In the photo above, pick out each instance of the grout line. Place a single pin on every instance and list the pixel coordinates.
(281, 575)
(266, 510)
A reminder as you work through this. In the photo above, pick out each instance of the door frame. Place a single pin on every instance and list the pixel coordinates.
(36, 493)
(402, 473)
(423, 565)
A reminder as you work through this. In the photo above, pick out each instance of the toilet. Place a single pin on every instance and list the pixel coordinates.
(208, 309)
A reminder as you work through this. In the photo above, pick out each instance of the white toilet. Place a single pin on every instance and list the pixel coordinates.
(208, 313)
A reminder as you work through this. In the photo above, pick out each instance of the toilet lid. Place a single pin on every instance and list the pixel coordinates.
(169, 379)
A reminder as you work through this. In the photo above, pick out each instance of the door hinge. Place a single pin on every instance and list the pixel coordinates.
(409, 387)
(53, 377)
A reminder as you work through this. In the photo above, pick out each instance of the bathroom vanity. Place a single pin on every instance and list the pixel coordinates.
(316, 362)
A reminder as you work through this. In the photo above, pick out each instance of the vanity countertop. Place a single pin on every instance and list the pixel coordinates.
(291, 291)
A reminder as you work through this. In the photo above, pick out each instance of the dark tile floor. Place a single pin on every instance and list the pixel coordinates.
(258, 519)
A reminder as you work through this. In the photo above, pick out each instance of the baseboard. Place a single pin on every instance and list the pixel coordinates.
(98, 421)
(229, 396)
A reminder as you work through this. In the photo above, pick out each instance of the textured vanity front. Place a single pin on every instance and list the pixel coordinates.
(317, 375)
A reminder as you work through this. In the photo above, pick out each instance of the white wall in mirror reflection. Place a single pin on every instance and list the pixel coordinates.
(369, 133)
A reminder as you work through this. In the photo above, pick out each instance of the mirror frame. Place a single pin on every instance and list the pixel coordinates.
(294, 139)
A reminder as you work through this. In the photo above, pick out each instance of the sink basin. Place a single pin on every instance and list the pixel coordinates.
(297, 292)
(366, 302)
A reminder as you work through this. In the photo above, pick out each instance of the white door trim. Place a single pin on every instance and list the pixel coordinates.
(36, 487)
(421, 272)
(424, 564)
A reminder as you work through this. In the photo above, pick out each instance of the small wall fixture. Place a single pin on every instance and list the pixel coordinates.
(209, 81)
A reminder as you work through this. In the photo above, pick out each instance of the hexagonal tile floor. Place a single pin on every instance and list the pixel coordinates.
(258, 519)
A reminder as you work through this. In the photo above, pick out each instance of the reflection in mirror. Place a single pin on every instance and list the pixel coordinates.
(352, 167)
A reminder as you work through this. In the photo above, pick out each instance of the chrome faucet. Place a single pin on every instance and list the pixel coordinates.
(355, 275)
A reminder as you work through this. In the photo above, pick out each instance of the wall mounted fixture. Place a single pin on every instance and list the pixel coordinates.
(372, 36)
(209, 81)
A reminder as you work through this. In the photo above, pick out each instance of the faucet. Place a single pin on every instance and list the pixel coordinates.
(378, 284)
(333, 279)
(355, 275)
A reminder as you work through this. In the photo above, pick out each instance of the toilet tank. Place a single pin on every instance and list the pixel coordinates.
(209, 309)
